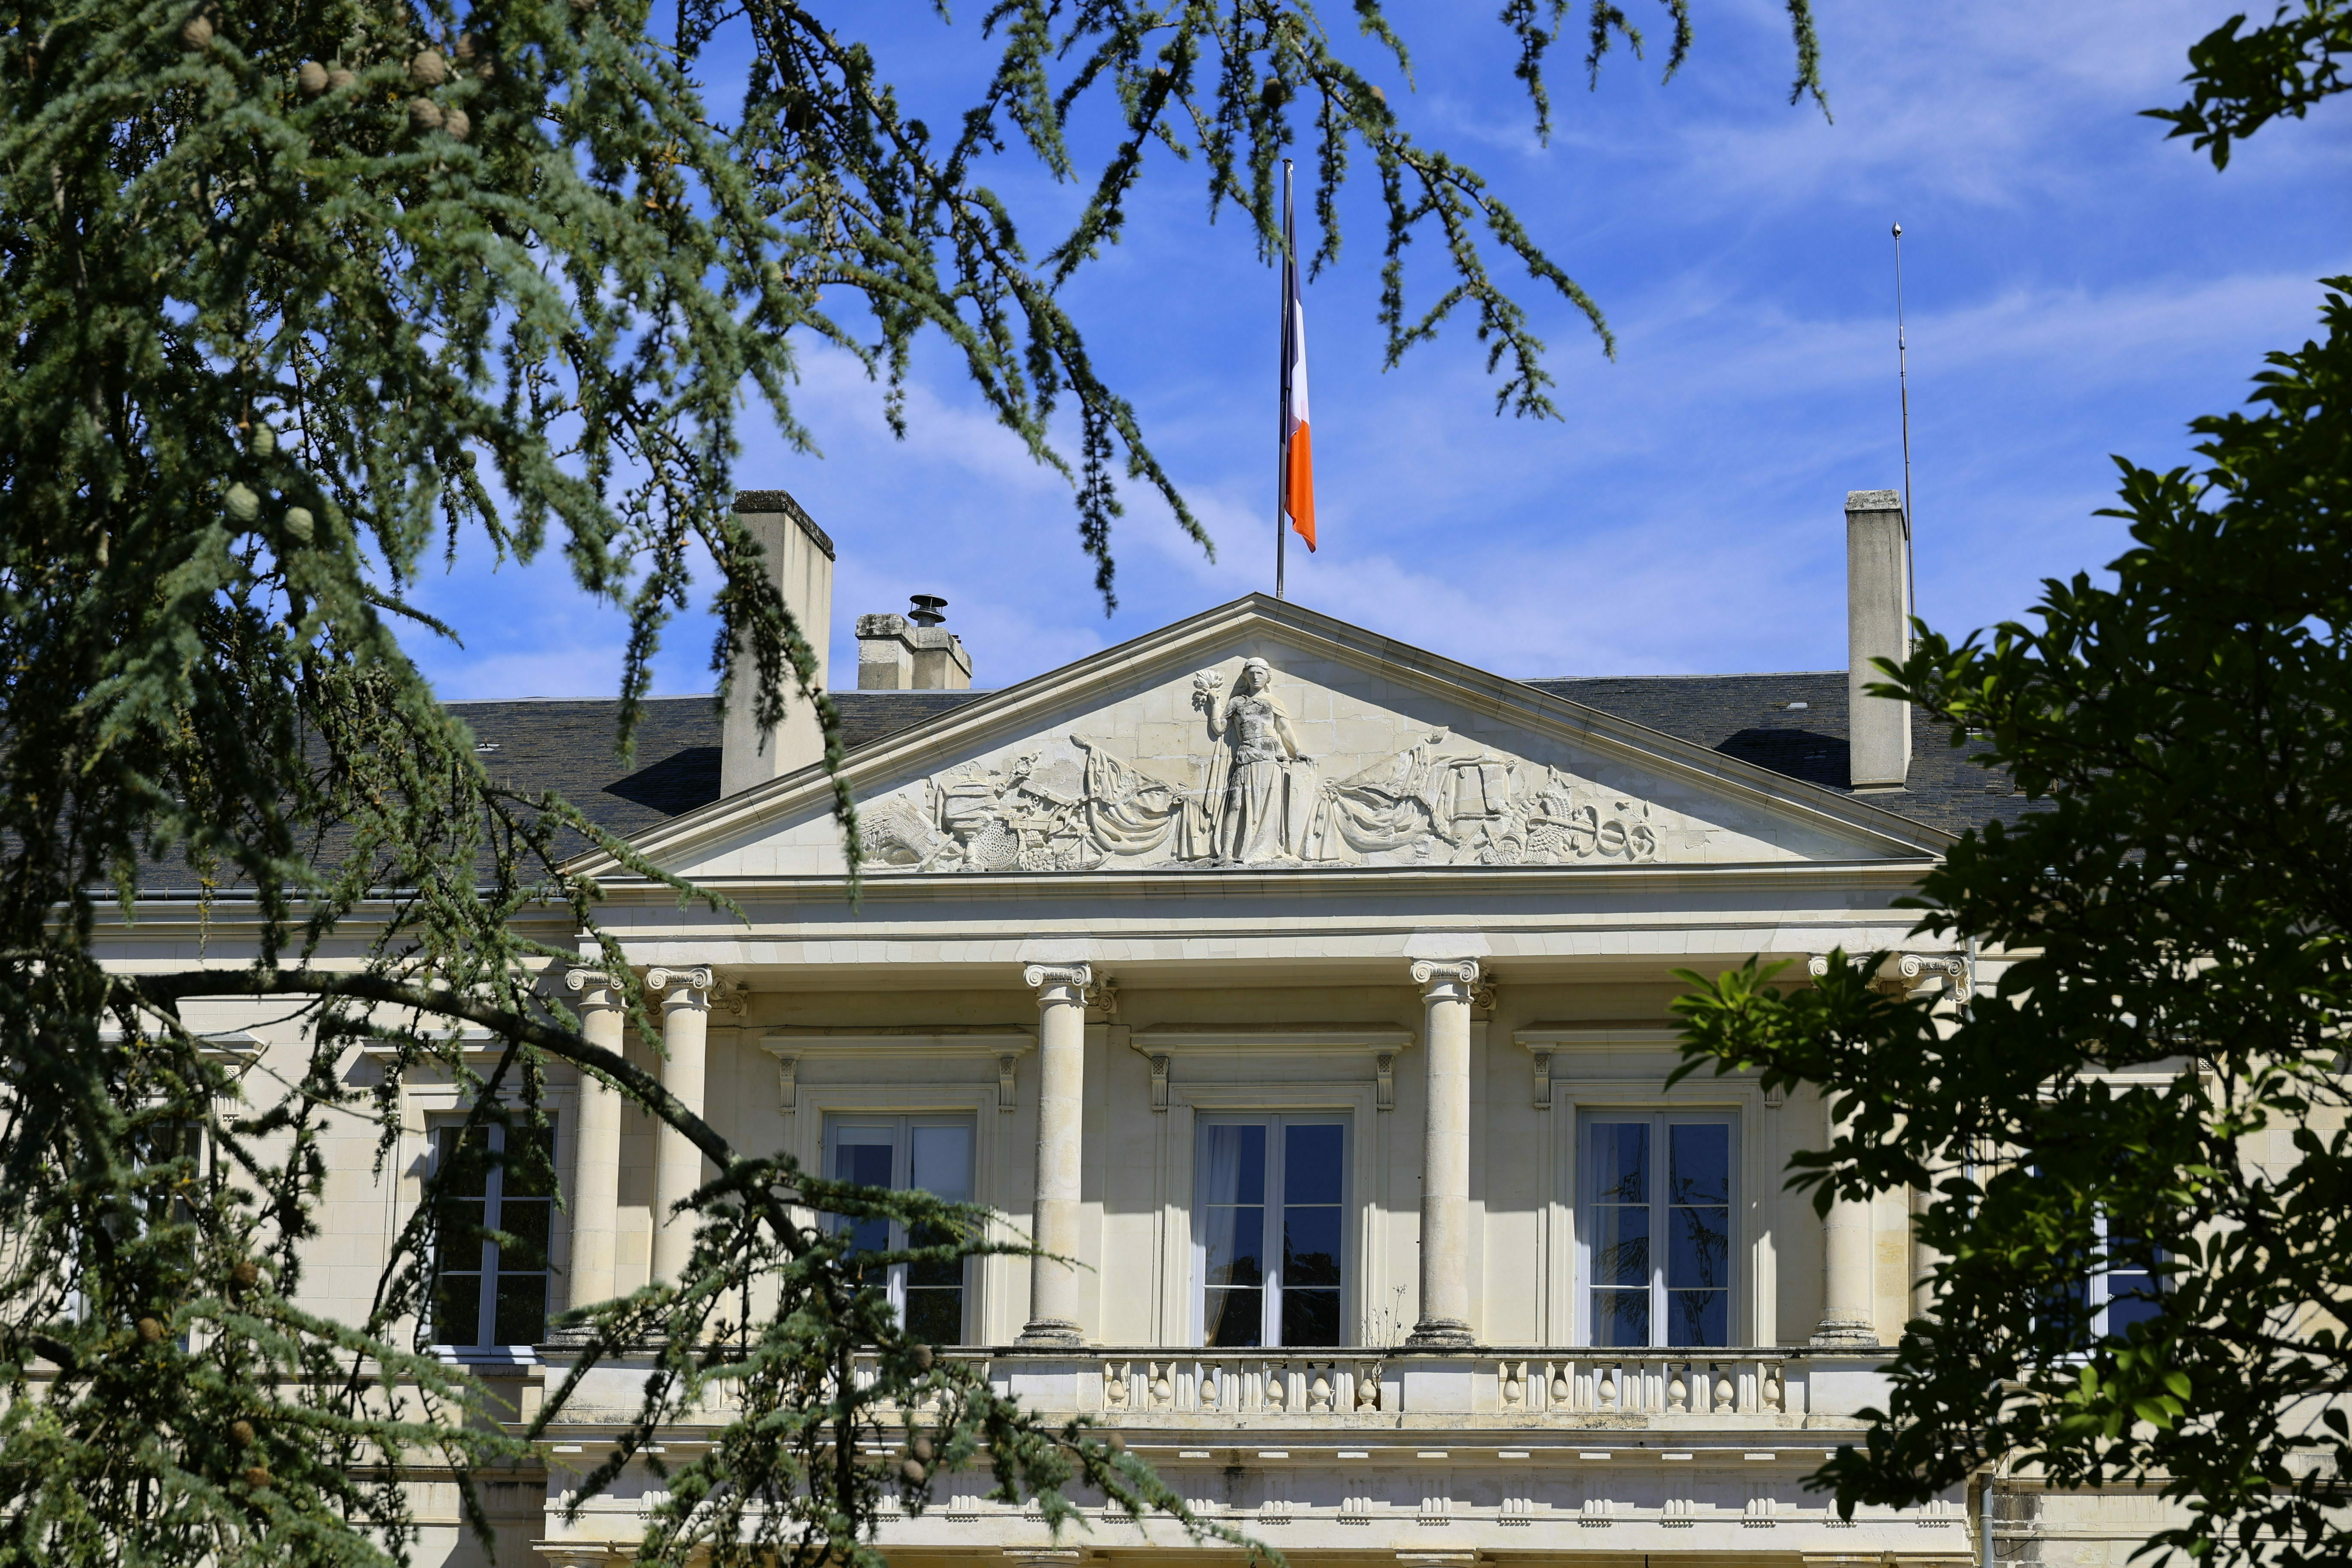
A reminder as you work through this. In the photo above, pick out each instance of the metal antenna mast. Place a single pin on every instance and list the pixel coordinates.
(1902, 382)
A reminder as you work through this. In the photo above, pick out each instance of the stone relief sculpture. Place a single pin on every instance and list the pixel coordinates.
(1262, 806)
(1259, 801)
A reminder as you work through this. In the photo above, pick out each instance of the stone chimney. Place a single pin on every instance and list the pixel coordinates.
(911, 652)
(1878, 626)
(799, 561)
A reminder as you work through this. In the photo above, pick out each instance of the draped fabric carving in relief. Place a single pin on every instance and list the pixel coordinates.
(1254, 798)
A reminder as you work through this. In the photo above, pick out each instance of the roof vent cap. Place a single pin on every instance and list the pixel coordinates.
(926, 609)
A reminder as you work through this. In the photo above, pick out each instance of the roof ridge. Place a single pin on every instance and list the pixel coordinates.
(1720, 674)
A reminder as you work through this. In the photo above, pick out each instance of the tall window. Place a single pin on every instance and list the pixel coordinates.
(1656, 1229)
(491, 1277)
(928, 1153)
(1268, 1237)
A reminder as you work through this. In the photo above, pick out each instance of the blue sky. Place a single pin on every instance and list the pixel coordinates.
(2076, 286)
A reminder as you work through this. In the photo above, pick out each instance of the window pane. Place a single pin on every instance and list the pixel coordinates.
(2132, 1293)
(462, 1160)
(459, 1244)
(1310, 1317)
(1621, 1317)
(1620, 1161)
(941, 1162)
(1310, 1246)
(1311, 1164)
(1621, 1246)
(526, 1220)
(457, 1309)
(1232, 1165)
(862, 1154)
(1699, 1164)
(522, 1309)
(867, 1164)
(529, 1162)
(1698, 1317)
(1233, 1318)
(1233, 1249)
(935, 1316)
(1698, 1249)
(942, 1272)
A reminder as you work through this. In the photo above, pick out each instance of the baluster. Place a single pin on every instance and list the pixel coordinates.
(1678, 1390)
(1115, 1390)
(1747, 1381)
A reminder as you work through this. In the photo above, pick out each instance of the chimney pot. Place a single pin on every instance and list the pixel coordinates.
(894, 654)
(926, 609)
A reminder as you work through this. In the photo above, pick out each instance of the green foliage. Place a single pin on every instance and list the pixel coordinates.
(299, 296)
(2243, 80)
(2158, 1080)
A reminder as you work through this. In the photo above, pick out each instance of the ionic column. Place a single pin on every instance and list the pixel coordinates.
(1445, 990)
(678, 1163)
(1847, 1247)
(1053, 1299)
(595, 1147)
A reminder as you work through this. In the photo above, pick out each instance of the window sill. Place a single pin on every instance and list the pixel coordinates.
(487, 1357)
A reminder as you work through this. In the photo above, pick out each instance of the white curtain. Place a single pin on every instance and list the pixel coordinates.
(1232, 1215)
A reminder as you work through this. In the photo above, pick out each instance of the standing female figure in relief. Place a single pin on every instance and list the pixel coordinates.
(1257, 819)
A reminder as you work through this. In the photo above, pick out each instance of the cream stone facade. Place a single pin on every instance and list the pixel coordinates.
(1264, 926)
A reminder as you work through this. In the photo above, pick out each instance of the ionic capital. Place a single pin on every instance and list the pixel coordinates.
(681, 988)
(1048, 978)
(1952, 967)
(593, 988)
(1435, 975)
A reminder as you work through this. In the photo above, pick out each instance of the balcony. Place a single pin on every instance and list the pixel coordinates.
(1734, 1389)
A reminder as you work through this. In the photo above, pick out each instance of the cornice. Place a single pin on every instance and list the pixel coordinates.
(1289, 881)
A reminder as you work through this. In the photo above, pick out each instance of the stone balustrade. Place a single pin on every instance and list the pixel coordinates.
(1582, 1387)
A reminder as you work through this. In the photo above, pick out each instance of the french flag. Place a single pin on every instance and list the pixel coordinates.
(1297, 448)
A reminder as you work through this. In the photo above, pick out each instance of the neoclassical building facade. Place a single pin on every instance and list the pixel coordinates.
(1311, 992)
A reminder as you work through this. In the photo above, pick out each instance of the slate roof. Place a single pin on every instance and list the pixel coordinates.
(1754, 718)
(1794, 724)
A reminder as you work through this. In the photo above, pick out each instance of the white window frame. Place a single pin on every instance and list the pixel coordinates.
(1274, 1121)
(493, 1216)
(1587, 1186)
(2097, 1287)
(902, 1158)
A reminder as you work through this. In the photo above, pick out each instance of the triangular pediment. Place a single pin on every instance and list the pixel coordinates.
(1262, 736)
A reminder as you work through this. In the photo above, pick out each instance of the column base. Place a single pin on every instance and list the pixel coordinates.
(1440, 1334)
(1052, 1334)
(1842, 1333)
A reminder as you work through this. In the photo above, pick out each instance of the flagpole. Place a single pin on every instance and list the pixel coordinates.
(1282, 386)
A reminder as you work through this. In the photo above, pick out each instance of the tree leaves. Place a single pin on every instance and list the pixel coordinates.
(303, 301)
(2244, 80)
(2154, 1087)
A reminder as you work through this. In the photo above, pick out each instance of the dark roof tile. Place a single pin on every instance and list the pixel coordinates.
(1792, 723)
